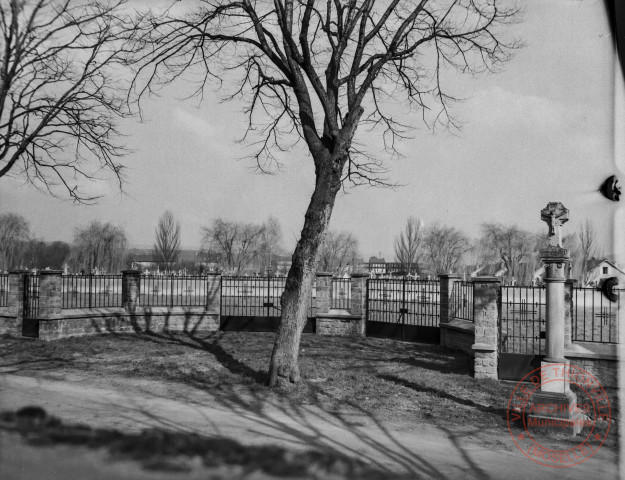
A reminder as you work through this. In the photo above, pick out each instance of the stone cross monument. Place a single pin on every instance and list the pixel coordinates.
(556, 215)
(555, 387)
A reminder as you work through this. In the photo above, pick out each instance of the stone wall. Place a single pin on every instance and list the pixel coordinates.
(458, 335)
(340, 325)
(100, 321)
(604, 370)
(10, 324)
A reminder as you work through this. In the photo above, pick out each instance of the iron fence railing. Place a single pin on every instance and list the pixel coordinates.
(91, 291)
(594, 317)
(404, 301)
(341, 293)
(4, 289)
(461, 302)
(256, 296)
(173, 291)
(522, 320)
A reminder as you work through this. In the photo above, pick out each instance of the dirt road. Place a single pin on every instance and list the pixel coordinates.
(422, 451)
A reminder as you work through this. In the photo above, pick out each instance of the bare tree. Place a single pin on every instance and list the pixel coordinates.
(315, 71)
(14, 236)
(59, 91)
(270, 243)
(238, 243)
(100, 246)
(445, 247)
(587, 247)
(408, 245)
(167, 246)
(510, 245)
(338, 251)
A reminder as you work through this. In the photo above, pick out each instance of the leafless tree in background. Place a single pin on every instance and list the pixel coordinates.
(510, 245)
(14, 236)
(444, 247)
(100, 246)
(238, 243)
(408, 245)
(338, 251)
(587, 247)
(270, 244)
(315, 71)
(60, 92)
(167, 246)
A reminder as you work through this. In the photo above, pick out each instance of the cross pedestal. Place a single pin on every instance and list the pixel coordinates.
(554, 407)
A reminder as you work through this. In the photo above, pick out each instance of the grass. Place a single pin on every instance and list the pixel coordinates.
(405, 383)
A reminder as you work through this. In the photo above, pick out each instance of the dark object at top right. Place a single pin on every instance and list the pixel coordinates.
(610, 189)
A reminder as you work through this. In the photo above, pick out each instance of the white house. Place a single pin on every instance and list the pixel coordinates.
(604, 269)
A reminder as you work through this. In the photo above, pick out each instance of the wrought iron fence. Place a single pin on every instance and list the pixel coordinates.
(256, 296)
(91, 291)
(341, 293)
(522, 320)
(461, 304)
(594, 317)
(4, 290)
(173, 291)
(404, 301)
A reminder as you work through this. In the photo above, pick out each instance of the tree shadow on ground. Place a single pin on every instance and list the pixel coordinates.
(498, 411)
(159, 449)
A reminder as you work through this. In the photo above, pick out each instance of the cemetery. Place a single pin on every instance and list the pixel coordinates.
(502, 329)
(467, 356)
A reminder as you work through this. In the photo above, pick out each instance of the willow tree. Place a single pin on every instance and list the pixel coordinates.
(316, 70)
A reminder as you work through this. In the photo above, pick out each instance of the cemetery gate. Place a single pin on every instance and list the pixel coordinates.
(403, 309)
(522, 323)
(252, 304)
(30, 306)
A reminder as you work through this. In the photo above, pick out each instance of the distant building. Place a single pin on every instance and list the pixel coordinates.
(377, 266)
(602, 270)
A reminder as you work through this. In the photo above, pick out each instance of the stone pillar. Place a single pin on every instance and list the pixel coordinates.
(213, 293)
(359, 298)
(569, 288)
(486, 291)
(50, 293)
(555, 389)
(16, 294)
(556, 265)
(447, 283)
(131, 289)
(15, 303)
(324, 284)
(359, 294)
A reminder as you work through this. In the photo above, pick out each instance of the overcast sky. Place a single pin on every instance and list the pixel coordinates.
(542, 130)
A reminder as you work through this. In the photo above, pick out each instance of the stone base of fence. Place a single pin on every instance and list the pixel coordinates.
(75, 323)
(341, 325)
(458, 335)
(600, 360)
(10, 325)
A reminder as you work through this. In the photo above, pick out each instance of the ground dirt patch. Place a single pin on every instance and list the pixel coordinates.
(355, 390)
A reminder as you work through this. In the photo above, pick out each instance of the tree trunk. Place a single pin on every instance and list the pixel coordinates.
(295, 301)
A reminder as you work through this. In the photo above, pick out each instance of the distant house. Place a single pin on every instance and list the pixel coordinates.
(283, 264)
(146, 260)
(602, 270)
(489, 270)
(377, 266)
(143, 260)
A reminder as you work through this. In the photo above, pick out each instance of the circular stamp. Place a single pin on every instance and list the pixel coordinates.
(539, 402)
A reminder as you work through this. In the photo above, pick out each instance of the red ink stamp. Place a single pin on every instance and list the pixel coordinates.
(589, 413)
